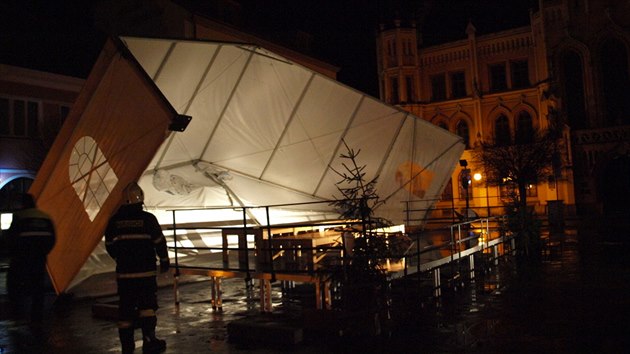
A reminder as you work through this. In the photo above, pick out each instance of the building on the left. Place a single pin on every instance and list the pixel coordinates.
(33, 106)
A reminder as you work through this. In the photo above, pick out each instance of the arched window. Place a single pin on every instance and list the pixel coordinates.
(395, 98)
(443, 125)
(502, 131)
(447, 194)
(463, 131)
(524, 128)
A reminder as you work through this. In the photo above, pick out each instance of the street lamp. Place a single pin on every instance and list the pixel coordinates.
(478, 177)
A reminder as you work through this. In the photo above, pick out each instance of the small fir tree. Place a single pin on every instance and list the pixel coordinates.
(361, 274)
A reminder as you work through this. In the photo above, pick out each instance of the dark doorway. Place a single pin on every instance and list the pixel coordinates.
(571, 76)
(614, 190)
(615, 82)
(11, 189)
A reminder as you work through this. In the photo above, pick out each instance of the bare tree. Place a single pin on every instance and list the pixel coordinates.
(519, 165)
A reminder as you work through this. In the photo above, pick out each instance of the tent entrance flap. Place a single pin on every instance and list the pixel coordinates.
(114, 129)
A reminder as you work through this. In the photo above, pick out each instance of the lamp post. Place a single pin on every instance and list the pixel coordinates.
(478, 177)
(465, 181)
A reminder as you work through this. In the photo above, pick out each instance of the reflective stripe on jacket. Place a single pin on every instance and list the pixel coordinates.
(133, 238)
(31, 235)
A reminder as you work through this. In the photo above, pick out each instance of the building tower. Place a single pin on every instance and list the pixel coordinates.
(491, 87)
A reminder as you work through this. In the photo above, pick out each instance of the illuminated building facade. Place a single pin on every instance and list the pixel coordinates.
(572, 60)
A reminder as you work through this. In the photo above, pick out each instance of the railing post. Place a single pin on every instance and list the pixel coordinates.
(261, 289)
(437, 283)
(513, 244)
(175, 245)
(242, 245)
(418, 252)
(176, 289)
(495, 254)
(327, 297)
(176, 274)
(269, 246)
(219, 292)
(318, 295)
(213, 292)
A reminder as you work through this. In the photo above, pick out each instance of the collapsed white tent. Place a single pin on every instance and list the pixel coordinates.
(267, 131)
(264, 131)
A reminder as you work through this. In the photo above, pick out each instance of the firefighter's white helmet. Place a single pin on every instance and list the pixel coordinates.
(133, 194)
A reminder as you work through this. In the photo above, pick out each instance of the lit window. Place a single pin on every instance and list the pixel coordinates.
(502, 131)
(438, 87)
(464, 132)
(532, 190)
(447, 194)
(19, 117)
(508, 190)
(524, 129)
(395, 95)
(409, 87)
(520, 74)
(458, 84)
(497, 77)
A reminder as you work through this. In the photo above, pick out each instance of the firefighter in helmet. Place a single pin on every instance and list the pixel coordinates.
(134, 238)
(31, 237)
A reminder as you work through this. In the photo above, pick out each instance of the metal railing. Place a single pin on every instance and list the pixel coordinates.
(309, 252)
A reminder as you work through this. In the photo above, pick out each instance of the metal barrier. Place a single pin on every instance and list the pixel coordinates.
(484, 236)
(289, 253)
(307, 252)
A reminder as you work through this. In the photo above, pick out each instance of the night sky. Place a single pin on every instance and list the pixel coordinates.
(59, 36)
(55, 36)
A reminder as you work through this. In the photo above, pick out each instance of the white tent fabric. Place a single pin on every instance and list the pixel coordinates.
(267, 131)
(264, 132)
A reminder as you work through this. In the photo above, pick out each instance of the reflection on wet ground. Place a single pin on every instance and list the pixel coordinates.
(577, 301)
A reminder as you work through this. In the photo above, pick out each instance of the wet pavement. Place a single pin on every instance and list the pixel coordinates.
(577, 301)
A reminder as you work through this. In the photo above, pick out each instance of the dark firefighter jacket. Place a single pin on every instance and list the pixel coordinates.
(133, 238)
(31, 236)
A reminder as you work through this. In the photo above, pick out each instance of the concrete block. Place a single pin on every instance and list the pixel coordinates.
(264, 330)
